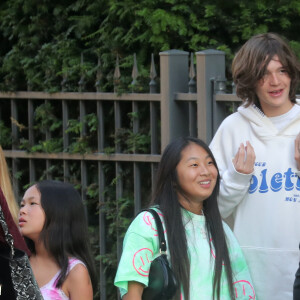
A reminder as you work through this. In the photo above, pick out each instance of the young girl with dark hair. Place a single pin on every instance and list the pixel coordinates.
(54, 225)
(203, 253)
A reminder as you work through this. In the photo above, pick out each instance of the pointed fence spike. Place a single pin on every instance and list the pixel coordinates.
(192, 75)
(64, 81)
(153, 75)
(81, 82)
(220, 85)
(47, 76)
(192, 72)
(233, 88)
(135, 72)
(29, 86)
(99, 76)
(117, 74)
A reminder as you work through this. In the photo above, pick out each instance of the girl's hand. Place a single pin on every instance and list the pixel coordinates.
(135, 291)
(297, 151)
(244, 159)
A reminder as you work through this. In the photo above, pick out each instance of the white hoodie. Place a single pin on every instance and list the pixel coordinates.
(265, 205)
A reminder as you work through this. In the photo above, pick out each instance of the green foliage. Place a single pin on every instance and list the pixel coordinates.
(45, 118)
(92, 122)
(132, 142)
(118, 214)
(42, 44)
(82, 143)
(53, 45)
(53, 145)
(74, 126)
(5, 135)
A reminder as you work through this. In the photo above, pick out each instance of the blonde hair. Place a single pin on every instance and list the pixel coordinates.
(5, 184)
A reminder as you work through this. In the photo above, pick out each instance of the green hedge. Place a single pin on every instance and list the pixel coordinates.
(43, 40)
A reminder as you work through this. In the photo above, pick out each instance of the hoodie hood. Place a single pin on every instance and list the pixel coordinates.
(263, 126)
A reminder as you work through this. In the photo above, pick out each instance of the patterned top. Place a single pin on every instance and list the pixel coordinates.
(141, 247)
(50, 291)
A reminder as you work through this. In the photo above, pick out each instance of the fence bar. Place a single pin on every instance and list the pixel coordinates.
(101, 187)
(137, 187)
(117, 110)
(119, 194)
(192, 119)
(154, 139)
(48, 137)
(174, 78)
(192, 75)
(85, 96)
(32, 173)
(65, 117)
(102, 232)
(15, 139)
(100, 133)
(83, 167)
(210, 65)
(153, 75)
(153, 128)
(91, 156)
(136, 167)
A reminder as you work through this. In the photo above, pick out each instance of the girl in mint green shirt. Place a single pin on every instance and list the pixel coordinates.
(202, 251)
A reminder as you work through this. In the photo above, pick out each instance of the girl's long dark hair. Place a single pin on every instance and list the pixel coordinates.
(65, 232)
(165, 195)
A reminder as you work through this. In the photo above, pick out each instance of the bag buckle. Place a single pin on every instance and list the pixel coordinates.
(162, 252)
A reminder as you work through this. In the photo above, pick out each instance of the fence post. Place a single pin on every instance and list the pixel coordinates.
(174, 78)
(210, 67)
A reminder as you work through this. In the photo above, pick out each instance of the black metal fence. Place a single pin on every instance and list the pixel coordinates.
(191, 101)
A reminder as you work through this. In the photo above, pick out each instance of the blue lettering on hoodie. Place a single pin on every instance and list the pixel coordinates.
(287, 180)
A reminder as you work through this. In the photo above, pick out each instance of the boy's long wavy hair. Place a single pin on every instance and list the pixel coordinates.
(251, 61)
(165, 195)
(65, 232)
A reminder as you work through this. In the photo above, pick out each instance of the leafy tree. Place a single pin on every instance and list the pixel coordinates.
(42, 41)
(50, 45)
